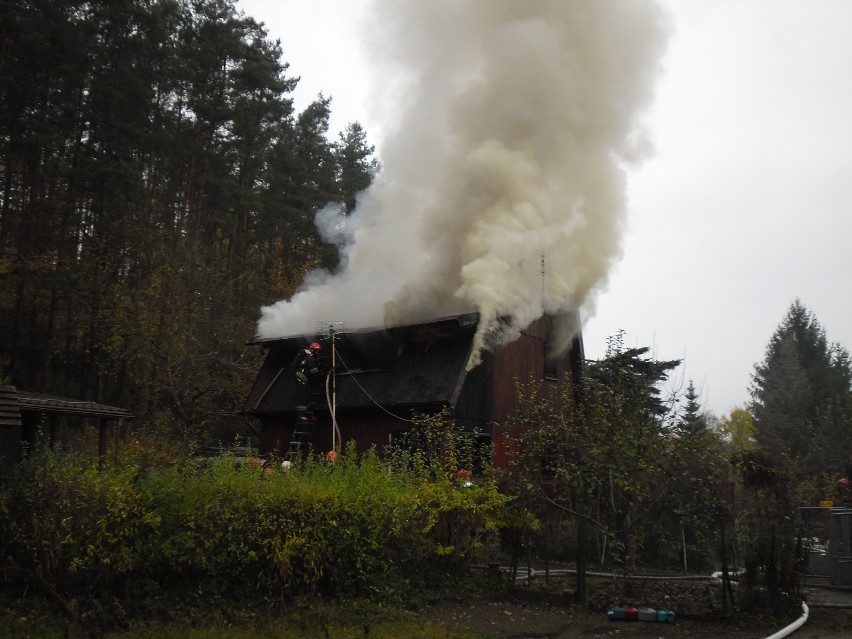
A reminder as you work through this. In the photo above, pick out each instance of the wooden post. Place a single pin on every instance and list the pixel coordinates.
(52, 428)
(117, 434)
(102, 443)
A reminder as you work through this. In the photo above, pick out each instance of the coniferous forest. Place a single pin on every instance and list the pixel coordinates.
(158, 188)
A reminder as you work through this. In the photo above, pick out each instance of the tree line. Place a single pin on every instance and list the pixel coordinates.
(158, 187)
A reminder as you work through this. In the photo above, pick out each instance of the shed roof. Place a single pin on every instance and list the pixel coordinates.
(41, 403)
(416, 365)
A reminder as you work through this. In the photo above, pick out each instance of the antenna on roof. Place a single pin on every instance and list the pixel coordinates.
(329, 327)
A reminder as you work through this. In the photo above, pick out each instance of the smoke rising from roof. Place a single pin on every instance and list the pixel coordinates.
(503, 189)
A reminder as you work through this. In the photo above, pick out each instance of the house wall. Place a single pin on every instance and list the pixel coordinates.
(368, 428)
(474, 406)
(522, 360)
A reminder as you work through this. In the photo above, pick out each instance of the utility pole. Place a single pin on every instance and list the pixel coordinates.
(331, 383)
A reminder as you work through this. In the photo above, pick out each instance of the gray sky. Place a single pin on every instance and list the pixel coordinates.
(744, 205)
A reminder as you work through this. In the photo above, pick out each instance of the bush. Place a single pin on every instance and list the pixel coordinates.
(108, 546)
(78, 536)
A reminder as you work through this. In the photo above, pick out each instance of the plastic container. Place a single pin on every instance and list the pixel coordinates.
(647, 614)
(665, 616)
(616, 614)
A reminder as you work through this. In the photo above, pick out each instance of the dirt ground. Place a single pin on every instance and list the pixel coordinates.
(513, 619)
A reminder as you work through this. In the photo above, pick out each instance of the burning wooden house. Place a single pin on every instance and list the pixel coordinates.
(381, 378)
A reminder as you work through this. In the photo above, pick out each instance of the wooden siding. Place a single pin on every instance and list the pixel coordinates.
(368, 428)
(474, 406)
(11, 428)
(10, 413)
(522, 360)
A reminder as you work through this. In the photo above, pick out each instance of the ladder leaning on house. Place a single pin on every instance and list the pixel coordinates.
(300, 441)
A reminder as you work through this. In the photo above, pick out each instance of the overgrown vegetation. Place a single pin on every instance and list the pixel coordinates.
(616, 474)
(130, 543)
(627, 480)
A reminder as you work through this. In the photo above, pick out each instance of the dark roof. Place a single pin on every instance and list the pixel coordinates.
(411, 366)
(40, 403)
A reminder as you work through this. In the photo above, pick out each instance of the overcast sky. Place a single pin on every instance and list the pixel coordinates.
(745, 204)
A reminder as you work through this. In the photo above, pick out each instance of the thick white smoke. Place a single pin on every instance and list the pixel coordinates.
(513, 124)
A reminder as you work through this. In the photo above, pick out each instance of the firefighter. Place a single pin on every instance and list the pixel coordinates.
(306, 363)
(306, 367)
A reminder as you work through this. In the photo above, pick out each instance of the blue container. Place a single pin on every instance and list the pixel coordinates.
(616, 614)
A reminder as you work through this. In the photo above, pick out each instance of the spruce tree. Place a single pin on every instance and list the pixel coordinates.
(800, 394)
(692, 421)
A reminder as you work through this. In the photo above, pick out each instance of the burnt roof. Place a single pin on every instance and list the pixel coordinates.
(411, 366)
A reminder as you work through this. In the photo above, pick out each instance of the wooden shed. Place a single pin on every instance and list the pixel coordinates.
(383, 377)
(27, 418)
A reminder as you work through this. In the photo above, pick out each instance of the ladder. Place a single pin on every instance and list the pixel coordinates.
(300, 441)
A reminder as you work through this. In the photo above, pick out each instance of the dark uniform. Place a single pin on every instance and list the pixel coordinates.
(308, 381)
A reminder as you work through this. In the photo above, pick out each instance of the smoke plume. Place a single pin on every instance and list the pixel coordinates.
(511, 126)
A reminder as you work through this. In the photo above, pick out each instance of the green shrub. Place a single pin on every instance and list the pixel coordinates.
(110, 546)
(78, 536)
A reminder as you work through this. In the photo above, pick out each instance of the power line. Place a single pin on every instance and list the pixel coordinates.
(370, 397)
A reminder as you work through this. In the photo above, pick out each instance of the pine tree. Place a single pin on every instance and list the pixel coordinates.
(693, 421)
(638, 378)
(157, 190)
(355, 164)
(800, 394)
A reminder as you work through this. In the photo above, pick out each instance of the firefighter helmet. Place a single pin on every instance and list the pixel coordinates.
(315, 346)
